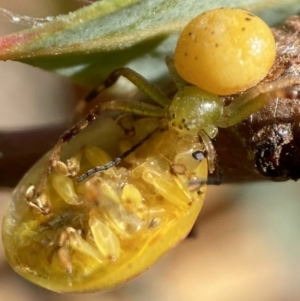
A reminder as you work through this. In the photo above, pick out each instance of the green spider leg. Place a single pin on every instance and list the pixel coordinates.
(179, 82)
(255, 98)
(138, 80)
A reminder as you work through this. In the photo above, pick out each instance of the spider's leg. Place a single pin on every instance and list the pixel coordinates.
(138, 80)
(255, 98)
(211, 152)
(179, 82)
(117, 160)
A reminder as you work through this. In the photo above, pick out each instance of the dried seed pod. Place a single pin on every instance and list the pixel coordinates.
(108, 229)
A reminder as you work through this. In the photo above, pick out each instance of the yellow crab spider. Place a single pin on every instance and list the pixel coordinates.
(72, 228)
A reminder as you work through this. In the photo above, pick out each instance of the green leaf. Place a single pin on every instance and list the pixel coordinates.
(87, 44)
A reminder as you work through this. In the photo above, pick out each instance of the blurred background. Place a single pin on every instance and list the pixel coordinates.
(245, 244)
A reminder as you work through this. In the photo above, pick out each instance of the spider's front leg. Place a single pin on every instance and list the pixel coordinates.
(255, 98)
(138, 80)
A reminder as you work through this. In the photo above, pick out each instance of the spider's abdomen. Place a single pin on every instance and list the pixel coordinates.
(225, 51)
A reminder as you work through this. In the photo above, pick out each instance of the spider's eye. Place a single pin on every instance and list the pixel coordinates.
(225, 51)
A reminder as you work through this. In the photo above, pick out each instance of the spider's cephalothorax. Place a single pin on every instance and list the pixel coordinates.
(193, 109)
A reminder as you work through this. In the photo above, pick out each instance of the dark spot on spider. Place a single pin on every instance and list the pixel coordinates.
(180, 127)
(183, 120)
(190, 33)
(243, 28)
(92, 95)
(173, 115)
(68, 135)
(196, 58)
(173, 123)
(217, 45)
(248, 19)
(185, 54)
(212, 32)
